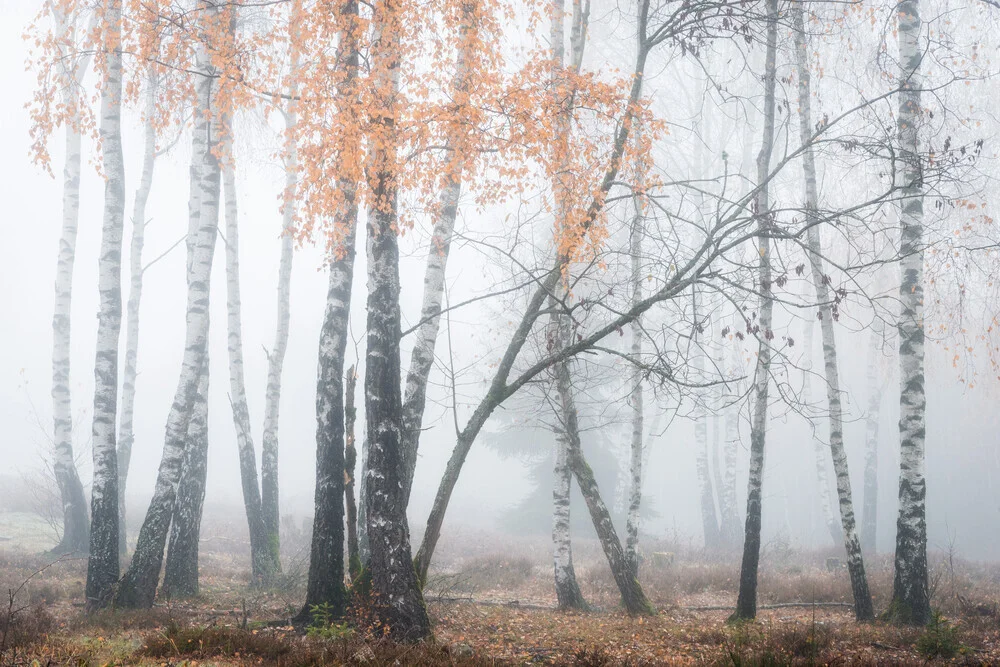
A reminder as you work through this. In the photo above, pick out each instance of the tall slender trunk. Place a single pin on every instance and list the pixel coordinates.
(728, 505)
(910, 594)
(709, 521)
(263, 557)
(350, 462)
(276, 358)
(126, 429)
(869, 516)
(138, 587)
(180, 574)
(636, 235)
(819, 449)
(863, 610)
(364, 547)
(76, 525)
(398, 600)
(422, 356)
(102, 567)
(326, 565)
(568, 592)
(746, 603)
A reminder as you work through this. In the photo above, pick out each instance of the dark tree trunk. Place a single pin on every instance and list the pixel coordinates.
(350, 463)
(180, 576)
(326, 564)
(397, 598)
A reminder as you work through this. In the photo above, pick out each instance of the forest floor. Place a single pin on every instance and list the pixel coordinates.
(491, 602)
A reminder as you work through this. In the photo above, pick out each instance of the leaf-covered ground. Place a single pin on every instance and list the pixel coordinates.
(491, 603)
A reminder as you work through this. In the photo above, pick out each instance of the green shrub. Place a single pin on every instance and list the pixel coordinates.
(939, 640)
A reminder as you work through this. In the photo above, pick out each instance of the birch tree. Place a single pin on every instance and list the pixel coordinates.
(126, 428)
(75, 535)
(326, 564)
(394, 582)
(819, 449)
(910, 594)
(746, 604)
(636, 450)
(180, 574)
(863, 610)
(263, 554)
(869, 515)
(102, 566)
(138, 587)
(709, 520)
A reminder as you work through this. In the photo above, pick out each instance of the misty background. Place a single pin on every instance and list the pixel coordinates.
(963, 460)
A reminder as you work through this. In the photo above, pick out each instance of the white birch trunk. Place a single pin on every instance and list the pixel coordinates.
(126, 429)
(138, 587)
(910, 593)
(820, 450)
(709, 521)
(422, 356)
(275, 360)
(263, 554)
(863, 609)
(102, 567)
(869, 517)
(76, 529)
(746, 604)
(638, 231)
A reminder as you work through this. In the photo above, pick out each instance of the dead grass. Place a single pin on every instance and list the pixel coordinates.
(233, 624)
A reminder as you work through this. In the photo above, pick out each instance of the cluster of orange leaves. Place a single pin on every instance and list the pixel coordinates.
(444, 90)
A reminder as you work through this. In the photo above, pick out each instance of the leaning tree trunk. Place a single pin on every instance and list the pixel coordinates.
(102, 567)
(350, 462)
(276, 359)
(76, 528)
(263, 557)
(633, 597)
(819, 449)
(869, 515)
(126, 429)
(910, 594)
(325, 584)
(863, 610)
(746, 603)
(138, 587)
(180, 575)
(635, 393)
(568, 592)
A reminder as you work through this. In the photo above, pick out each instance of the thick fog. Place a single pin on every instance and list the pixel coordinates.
(510, 467)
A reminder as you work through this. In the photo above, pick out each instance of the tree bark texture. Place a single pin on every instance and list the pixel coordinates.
(863, 609)
(910, 592)
(102, 566)
(138, 587)
(746, 603)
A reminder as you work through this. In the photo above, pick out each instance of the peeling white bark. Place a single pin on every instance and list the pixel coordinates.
(76, 535)
(138, 587)
(910, 593)
(102, 567)
(126, 430)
